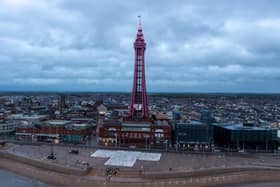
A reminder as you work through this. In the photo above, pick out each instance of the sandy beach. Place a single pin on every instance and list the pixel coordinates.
(8, 178)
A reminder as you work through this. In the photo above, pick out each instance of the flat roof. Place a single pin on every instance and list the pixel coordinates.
(193, 123)
(57, 122)
(77, 126)
(242, 127)
(26, 117)
(82, 119)
(161, 123)
(135, 124)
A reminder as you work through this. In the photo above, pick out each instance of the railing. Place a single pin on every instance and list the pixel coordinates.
(151, 148)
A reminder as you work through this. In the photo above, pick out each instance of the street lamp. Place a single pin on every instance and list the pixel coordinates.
(146, 142)
(51, 156)
(166, 143)
(116, 143)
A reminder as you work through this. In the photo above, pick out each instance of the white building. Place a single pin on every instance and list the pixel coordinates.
(7, 127)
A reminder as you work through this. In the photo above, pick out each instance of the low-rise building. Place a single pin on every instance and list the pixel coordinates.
(29, 118)
(7, 127)
(137, 133)
(59, 130)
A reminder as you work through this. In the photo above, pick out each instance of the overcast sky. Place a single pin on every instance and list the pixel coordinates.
(192, 46)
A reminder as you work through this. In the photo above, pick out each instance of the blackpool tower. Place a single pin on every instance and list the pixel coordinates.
(138, 101)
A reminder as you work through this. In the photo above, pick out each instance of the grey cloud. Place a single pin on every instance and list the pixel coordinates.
(192, 46)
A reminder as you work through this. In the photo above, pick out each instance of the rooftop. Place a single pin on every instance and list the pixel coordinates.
(191, 123)
(26, 117)
(57, 122)
(136, 124)
(242, 127)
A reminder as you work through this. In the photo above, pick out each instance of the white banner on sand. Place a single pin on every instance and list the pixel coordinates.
(125, 158)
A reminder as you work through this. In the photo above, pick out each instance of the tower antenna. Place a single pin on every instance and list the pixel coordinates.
(140, 22)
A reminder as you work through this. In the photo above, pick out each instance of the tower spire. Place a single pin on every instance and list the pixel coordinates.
(140, 35)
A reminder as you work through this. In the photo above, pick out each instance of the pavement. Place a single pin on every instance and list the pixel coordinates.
(167, 162)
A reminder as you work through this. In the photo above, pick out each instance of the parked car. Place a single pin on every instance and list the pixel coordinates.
(74, 151)
(51, 157)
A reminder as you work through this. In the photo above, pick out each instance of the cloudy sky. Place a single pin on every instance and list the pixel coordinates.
(192, 46)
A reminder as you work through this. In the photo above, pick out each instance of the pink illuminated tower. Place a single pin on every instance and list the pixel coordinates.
(138, 102)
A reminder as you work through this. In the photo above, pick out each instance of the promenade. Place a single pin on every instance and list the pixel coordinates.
(172, 169)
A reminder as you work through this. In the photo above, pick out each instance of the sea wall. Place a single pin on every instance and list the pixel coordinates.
(213, 177)
(208, 180)
(198, 173)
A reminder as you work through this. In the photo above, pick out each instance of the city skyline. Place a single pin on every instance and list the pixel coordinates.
(88, 46)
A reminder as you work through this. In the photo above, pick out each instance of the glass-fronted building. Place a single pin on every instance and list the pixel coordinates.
(242, 137)
(193, 132)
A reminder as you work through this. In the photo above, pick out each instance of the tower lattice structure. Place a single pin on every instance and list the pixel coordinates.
(138, 102)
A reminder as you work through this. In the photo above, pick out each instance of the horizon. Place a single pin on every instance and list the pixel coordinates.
(192, 47)
(30, 92)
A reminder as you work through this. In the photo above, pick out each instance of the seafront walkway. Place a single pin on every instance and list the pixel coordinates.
(172, 169)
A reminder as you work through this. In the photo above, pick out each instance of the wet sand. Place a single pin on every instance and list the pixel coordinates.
(10, 179)
(269, 184)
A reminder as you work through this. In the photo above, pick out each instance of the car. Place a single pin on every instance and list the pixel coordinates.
(2, 144)
(74, 151)
(216, 150)
(85, 163)
(51, 157)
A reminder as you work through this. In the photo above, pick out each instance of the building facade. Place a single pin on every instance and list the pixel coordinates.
(131, 133)
(8, 127)
(193, 133)
(60, 130)
(239, 137)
